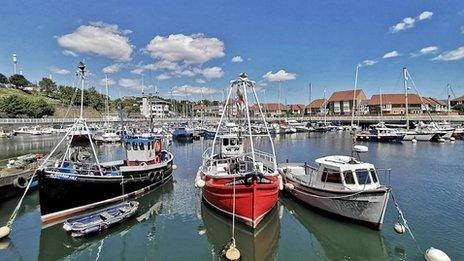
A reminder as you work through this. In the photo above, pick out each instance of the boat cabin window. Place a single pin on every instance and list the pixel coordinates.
(128, 145)
(363, 176)
(141, 146)
(349, 178)
(374, 176)
(134, 146)
(225, 142)
(331, 176)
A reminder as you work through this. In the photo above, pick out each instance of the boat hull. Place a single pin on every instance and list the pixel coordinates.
(367, 208)
(420, 136)
(62, 195)
(386, 138)
(252, 201)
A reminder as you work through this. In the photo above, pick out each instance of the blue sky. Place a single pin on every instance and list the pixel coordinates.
(189, 45)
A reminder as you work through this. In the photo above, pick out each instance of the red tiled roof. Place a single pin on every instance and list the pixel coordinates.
(346, 95)
(295, 107)
(269, 107)
(317, 103)
(399, 99)
(435, 101)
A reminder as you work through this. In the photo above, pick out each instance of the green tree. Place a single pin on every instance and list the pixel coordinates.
(19, 80)
(3, 79)
(48, 87)
(37, 108)
(12, 106)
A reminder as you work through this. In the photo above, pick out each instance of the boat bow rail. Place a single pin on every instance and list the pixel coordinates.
(243, 164)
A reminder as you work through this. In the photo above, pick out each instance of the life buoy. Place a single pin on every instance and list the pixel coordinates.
(157, 159)
(20, 182)
(158, 146)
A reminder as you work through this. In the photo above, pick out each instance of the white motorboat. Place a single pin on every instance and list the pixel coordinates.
(109, 136)
(27, 131)
(340, 185)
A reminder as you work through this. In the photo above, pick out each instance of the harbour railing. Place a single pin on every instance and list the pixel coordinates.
(333, 118)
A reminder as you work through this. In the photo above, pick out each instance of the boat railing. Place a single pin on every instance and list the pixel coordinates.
(243, 163)
(385, 173)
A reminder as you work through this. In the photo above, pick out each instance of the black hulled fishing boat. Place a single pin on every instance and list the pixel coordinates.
(77, 181)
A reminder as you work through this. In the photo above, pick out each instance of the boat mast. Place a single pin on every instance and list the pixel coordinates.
(448, 102)
(107, 100)
(324, 105)
(310, 98)
(243, 82)
(405, 82)
(81, 67)
(354, 95)
(381, 104)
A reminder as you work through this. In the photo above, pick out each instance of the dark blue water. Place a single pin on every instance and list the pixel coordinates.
(427, 179)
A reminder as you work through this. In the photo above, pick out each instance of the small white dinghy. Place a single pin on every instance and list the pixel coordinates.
(341, 185)
(99, 220)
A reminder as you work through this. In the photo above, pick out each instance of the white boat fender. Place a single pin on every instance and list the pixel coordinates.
(360, 148)
(281, 183)
(199, 183)
(399, 228)
(433, 254)
(4, 231)
(289, 186)
(174, 166)
(414, 141)
(441, 140)
(452, 139)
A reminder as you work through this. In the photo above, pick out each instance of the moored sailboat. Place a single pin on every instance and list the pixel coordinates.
(240, 180)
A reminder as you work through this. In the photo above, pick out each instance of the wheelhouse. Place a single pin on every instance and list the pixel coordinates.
(142, 151)
(231, 145)
(345, 172)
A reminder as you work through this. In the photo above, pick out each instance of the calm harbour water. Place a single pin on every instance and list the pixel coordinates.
(427, 179)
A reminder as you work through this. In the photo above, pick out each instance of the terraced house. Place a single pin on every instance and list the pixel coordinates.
(341, 102)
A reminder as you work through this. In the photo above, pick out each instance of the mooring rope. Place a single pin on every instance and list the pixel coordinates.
(233, 215)
(405, 222)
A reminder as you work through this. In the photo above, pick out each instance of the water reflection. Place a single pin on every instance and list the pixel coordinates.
(56, 244)
(338, 240)
(258, 244)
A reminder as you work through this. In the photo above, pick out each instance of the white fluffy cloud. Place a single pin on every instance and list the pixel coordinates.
(279, 76)
(200, 81)
(113, 68)
(390, 55)
(237, 59)
(368, 63)
(409, 22)
(128, 83)
(210, 72)
(58, 70)
(163, 77)
(425, 15)
(100, 39)
(190, 49)
(185, 90)
(428, 50)
(69, 53)
(453, 55)
(110, 82)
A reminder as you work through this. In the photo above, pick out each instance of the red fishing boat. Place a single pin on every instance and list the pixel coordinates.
(239, 180)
